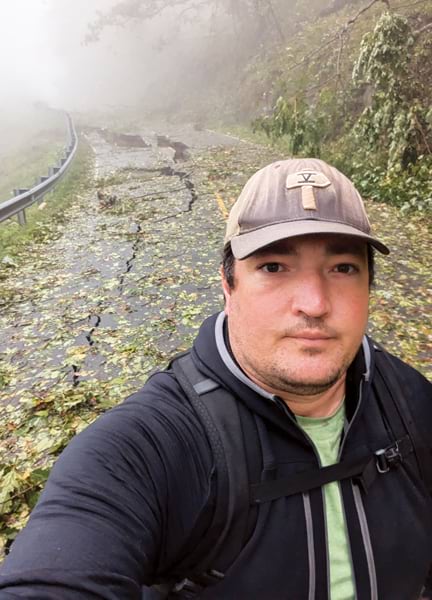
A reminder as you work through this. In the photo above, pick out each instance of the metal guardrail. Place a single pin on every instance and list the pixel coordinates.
(24, 198)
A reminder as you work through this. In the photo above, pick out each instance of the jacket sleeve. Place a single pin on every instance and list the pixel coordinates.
(118, 505)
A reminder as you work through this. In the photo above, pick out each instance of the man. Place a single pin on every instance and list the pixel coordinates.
(134, 495)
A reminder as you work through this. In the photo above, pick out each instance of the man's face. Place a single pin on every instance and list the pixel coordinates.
(298, 311)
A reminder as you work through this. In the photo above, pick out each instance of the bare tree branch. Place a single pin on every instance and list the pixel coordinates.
(128, 10)
(339, 56)
(276, 21)
(410, 5)
(319, 86)
(311, 53)
(364, 9)
(422, 29)
(337, 36)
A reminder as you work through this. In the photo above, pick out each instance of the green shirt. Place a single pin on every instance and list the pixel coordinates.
(325, 432)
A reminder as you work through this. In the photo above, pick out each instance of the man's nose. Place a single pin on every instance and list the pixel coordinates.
(311, 296)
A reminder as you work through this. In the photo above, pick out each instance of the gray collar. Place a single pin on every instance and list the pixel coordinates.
(228, 361)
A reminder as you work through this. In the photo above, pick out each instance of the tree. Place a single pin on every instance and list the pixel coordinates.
(397, 117)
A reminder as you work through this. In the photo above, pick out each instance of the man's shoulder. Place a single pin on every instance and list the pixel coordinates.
(160, 389)
(158, 413)
(404, 371)
(147, 433)
(407, 381)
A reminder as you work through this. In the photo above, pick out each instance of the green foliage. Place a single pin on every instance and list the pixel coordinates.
(34, 435)
(301, 125)
(384, 54)
(386, 146)
(396, 119)
(393, 135)
(410, 188)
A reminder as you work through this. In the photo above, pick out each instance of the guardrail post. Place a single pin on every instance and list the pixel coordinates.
(22, 220)
(42, 179)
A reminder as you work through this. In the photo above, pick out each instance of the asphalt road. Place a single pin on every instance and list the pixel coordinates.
(134, 271)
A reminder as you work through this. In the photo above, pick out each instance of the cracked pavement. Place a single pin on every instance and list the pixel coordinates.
(130, 278)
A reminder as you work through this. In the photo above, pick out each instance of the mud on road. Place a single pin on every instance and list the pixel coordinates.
(129, 277)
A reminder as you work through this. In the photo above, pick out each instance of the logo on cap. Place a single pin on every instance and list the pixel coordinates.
(307, 179)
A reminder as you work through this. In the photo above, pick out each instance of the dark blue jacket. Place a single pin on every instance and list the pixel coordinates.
(128, 493)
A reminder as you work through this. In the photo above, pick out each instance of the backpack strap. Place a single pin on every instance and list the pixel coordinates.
(364, 470)
(394, 395)
(210, 551)
(220, 415)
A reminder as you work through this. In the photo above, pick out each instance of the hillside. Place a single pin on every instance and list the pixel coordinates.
(345, 80)
(352, 85)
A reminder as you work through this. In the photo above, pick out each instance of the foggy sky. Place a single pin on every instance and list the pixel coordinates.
(43, 56)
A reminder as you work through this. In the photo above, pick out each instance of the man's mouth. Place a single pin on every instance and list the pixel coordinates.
(311, 335)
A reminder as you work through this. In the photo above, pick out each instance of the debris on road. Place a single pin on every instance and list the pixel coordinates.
(108, 295)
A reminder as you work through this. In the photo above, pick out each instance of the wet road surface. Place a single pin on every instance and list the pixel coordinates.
(134, 272)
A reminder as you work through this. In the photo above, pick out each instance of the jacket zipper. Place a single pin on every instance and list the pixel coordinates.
(361, 515)
(308, 514)
(311, 545)
(366, 541)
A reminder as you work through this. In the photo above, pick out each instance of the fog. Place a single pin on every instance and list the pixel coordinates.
(189, 60)
(45, 56)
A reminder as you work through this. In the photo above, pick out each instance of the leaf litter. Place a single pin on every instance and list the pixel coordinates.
(91, 309)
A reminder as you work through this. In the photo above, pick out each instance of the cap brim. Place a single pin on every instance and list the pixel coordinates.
(247, 243)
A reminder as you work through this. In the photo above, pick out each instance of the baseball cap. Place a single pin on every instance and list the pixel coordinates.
(294, 197)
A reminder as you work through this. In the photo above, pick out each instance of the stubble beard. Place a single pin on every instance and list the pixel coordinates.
(281, 382)
(281, 379)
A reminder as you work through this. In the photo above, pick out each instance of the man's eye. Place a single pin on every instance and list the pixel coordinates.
(346, 268)
(271, 268)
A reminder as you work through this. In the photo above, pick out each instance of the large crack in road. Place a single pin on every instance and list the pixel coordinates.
(80, 315)
(107, 200)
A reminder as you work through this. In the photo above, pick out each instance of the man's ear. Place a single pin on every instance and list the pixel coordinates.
(226, 292)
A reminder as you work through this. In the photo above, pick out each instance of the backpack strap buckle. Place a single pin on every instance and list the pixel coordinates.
(389, 457)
